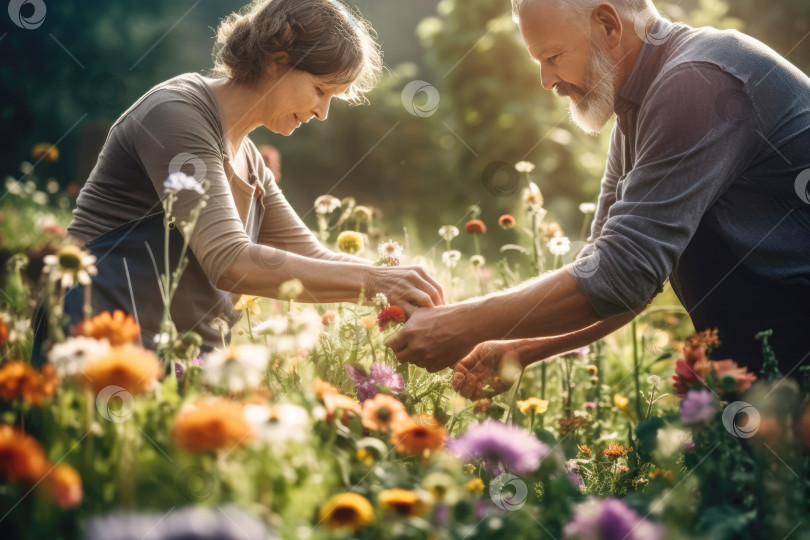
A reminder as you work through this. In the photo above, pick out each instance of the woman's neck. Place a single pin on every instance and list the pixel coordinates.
(240, 110)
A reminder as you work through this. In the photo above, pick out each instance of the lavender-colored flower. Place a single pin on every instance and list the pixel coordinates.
(501, 446)
(573, 469)
(379, 374)
(180, 366)
(609, 519)
(190, 523)
(698, 406)
(180, 181)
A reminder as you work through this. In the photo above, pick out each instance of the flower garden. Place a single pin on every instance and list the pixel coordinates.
(304, 425)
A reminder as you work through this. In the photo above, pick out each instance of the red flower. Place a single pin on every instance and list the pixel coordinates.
(507, 221)
(393, 314)
(475, 226)
(328, 318)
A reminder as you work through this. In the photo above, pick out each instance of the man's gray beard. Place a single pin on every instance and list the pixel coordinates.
(595, 109)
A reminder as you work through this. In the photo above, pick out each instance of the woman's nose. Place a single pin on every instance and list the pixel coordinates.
(322, 110)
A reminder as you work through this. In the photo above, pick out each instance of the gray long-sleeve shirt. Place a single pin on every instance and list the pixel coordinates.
(713, 122)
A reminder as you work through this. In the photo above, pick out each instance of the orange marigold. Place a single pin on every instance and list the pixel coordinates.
(382, 412)
(615, 450)
(584, 449)
(211, 425)
(65, 486)
(132, 368)
(21, 456)
(3, 331)
(418, 435)
(118, 328)
(18, 380)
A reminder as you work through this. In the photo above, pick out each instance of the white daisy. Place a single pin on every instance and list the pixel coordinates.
(524, 167)
(326, 204)
(280, 424)
(451, 258)
(559, 245)
(389, 249)
(477, 261)
(236, 369)
(70, 265)
(587, 208)
(69, 358)
(448, 232)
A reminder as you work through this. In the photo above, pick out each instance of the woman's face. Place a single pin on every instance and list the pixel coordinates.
(294, 98)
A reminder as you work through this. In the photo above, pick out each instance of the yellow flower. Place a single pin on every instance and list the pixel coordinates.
(45, 152)
(248, 301)
(364, 456)
(368, 322)
(621, 402)
(350, 242)
(404, 502)
(290, 289)
(476, 485)
(346, 511)
(534, 404)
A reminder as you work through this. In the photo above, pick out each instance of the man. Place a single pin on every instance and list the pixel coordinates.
(706, 184)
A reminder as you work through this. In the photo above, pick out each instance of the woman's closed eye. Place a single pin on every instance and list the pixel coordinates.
(320, 92)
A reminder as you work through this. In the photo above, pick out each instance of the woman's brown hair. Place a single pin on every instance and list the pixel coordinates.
(322, 37)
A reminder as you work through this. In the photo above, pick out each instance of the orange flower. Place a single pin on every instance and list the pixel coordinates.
(45, 152)
(3, 331)
(322, 388)
(743, 379)
(328, 318)
(382, 412)
(475, 226)
(506, 221)
(65, 486)
(341, 402)
(615, 450)
(211, 425)
(118, 328)
(404, 502)
(346, 511)
(21, 456)
(662, 473)
(18, 380)
(567, 425)
(418, 435)
(132, 368)
(584, 449)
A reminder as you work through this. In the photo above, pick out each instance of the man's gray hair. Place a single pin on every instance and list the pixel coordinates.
(581, 9)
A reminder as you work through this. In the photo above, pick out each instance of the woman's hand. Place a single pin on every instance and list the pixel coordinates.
(408, 287)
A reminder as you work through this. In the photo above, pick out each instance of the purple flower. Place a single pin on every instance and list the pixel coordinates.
(698, 406)
(609, 519)
(500, 445)
(573, 470)
(180, 365)
(379, 375)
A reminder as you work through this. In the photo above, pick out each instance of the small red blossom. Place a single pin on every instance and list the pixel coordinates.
(475, 226)
(393, 314)
(506, 221)
(328, 318)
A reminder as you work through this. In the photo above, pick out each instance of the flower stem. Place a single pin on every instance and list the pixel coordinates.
(636, 369)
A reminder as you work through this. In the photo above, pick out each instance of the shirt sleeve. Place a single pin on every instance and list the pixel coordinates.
(607, 190)
(171, 135)
(691, 145)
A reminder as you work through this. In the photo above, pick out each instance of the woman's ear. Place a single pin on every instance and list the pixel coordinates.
(279, 63)
(609, 24)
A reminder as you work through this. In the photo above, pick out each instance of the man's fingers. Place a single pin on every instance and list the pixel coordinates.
(457, 381)
(396, 343)
(409, 309)
(469, 387)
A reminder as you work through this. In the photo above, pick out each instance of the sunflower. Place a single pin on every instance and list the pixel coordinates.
(70, 265)
(346, 511)
(117, 328)
(404, 502)
(18, 380)
(382, 412)
(211, 425)
(21, 456)
(418, 435)
(132, 368)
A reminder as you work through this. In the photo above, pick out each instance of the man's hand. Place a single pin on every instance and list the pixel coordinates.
(433, 338)
(490, 369)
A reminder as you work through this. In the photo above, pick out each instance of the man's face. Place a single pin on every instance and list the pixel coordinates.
(571, 63)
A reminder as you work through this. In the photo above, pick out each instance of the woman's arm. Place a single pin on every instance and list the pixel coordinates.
(260, 270)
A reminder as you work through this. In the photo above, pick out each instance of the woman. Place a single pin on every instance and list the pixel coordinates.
(277, 65)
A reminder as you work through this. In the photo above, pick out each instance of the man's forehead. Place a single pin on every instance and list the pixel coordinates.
(542, 26)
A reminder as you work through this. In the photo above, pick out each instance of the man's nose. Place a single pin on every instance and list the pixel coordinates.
(548, 77)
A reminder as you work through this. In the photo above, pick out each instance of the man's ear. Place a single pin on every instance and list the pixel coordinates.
(608, 24)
